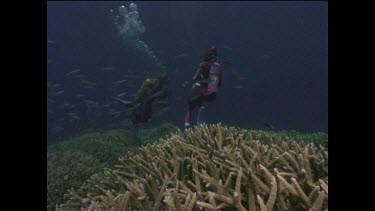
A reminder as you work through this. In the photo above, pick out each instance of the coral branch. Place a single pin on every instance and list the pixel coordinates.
(213, 168)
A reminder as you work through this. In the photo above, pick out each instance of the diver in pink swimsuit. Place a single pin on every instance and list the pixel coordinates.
(209, 78)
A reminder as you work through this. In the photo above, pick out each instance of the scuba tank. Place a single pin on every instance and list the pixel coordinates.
(215, 72)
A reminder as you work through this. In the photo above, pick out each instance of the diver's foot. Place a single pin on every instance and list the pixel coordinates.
(187, 125)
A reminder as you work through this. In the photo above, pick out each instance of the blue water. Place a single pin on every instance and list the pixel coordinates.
(281, 47)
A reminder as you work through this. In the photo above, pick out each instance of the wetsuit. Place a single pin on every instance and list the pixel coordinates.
(144, 97)
(209, 71)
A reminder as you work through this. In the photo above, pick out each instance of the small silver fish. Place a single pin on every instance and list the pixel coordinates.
(165, 109)
(73, 115)
(57, 129)
(180, 56)
(119, 82)
(227, 48)
(242, 78)
(121, 94)
(107, 68)
(65, 105)
(132, 76)
(105, 106)
(159, 51)
(73, 72)
(56, 85)
(88, 87)
(88, 83)
(58, 93)
(80, 76)
(162, 103)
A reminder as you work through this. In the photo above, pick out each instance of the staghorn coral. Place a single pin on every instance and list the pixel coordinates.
(214, 168)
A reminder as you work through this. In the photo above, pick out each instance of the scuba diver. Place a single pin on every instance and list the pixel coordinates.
(208, 77)
(151, 89)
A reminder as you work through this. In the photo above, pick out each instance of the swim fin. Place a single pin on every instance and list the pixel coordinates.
(201, 119)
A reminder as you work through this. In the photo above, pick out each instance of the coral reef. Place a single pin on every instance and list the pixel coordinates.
(72, 162)
(212, 168)
(68, 169)
(153, 134)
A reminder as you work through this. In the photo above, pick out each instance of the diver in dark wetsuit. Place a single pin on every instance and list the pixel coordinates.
(151, 89)
(208, 77)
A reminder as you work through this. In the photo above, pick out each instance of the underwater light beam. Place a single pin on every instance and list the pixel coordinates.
(129, 28)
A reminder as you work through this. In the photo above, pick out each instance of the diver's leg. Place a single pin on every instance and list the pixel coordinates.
(208, 97)
(205, 97)
(192, 103)
(137, 139)
(147, 112)
(188, 115)
(135, 120)
(136, 114)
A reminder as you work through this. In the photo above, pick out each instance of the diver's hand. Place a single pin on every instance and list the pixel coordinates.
(166, 93)
(196, 85)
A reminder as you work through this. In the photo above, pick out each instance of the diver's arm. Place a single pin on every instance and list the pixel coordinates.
(155, 87)
(197, 74)
(201, 67)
